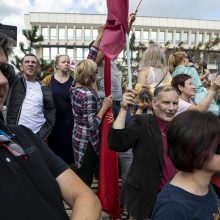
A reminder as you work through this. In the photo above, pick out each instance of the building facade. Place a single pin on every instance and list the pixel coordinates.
(71, 33)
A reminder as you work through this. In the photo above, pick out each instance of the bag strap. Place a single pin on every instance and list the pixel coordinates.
(160, 81)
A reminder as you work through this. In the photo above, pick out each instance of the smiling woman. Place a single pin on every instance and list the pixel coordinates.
(184, 85)
(179, 64)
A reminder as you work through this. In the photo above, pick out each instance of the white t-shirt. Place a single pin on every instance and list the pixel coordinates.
(183, 105)
(32, 115)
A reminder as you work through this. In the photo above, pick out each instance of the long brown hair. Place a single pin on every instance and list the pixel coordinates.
(175, 59)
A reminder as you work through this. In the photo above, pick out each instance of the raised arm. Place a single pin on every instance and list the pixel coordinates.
(128, 99)
(131, 20)
(205, 103)
(94, 48)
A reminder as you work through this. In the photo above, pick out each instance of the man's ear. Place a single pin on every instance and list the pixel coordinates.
(21, 68)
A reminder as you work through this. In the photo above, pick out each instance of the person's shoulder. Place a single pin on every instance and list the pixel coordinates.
(169, 205)
(46, 80)
(143, 70)
(142, 118)
(82, 92)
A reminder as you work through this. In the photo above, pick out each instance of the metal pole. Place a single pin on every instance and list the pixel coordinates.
(128, 62)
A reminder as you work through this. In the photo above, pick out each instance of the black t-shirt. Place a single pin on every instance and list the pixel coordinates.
(28, 187)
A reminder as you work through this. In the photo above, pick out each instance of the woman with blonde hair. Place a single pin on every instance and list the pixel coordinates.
(87, 117)
(153, 69)
(178, 64)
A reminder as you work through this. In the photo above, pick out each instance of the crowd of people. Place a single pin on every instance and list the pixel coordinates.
(49, 138)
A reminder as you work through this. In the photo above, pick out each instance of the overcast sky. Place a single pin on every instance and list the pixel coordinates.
(12, 11)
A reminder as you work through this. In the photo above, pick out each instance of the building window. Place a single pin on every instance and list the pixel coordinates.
(46, 53)
(78, 34)
(193, 38)
(185, 38)
(208, 37)
(86, 52)
(87, 34)
(154, 36)
(94, 33)
(215, 36)
(44, 32)
(70, 52)
(162, 37)
(61, 34)
(38, 32)
(145, 36)
(137, 36)
(177, 37)
(200, 38)
(53, 33)
(170, 37)
(53, 52)
(79, 54)
(70, 35)
(62, 50)
(120, 56)
(134, 54)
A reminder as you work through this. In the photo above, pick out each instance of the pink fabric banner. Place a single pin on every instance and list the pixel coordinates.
(113, 40)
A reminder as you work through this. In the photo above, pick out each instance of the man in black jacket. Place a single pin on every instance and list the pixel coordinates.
(34, 181)
(30, 103)
(146, 135)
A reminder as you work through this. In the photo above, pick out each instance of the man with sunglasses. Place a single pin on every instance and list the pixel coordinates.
(34, 181)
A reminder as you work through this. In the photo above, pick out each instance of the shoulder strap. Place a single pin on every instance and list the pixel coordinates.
(160, 81)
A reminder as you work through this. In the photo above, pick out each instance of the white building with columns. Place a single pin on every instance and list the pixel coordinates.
(71, 33)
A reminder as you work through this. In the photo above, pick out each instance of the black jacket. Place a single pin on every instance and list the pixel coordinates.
(140, 188)
(17, 92)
